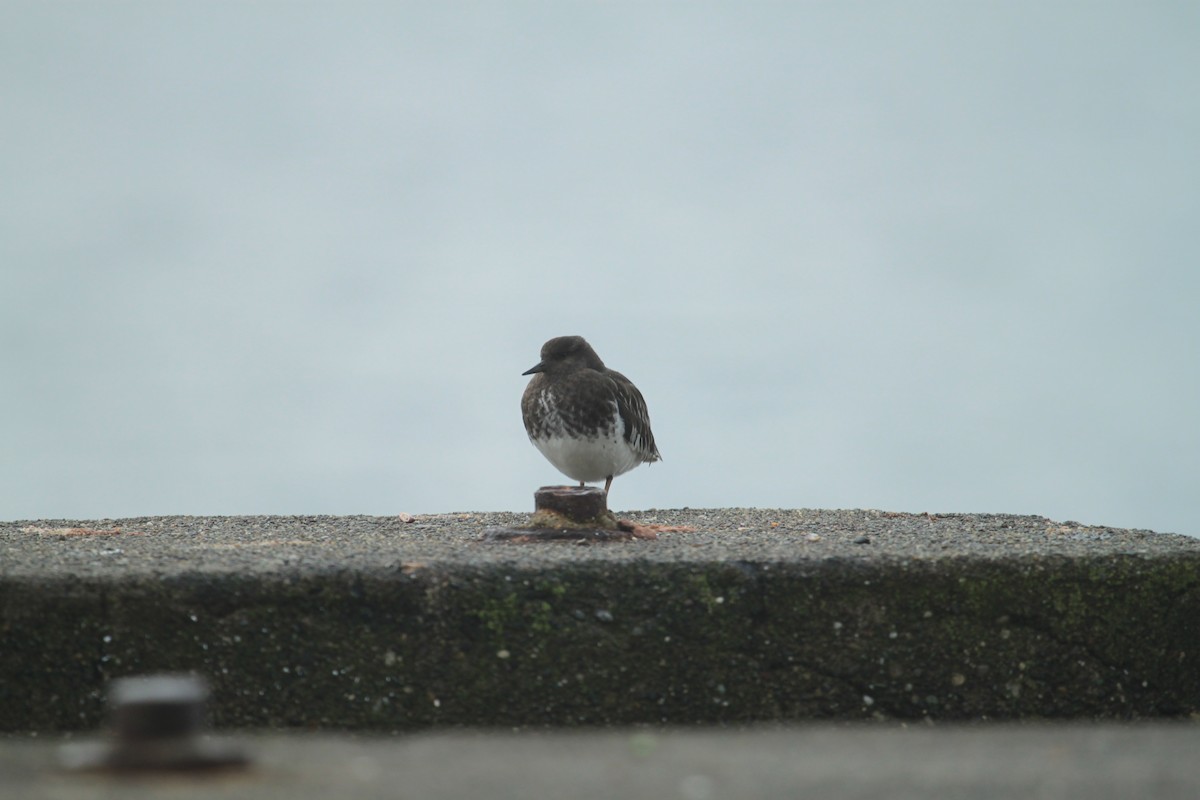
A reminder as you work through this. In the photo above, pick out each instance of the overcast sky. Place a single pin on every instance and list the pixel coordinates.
(292, 259)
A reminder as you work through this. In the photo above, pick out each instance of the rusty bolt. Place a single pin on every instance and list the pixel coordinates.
(578, 504)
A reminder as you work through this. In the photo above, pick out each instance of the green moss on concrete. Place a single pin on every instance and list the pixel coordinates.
(632, 642)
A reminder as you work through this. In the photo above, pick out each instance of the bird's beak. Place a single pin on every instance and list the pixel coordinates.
(539, 367)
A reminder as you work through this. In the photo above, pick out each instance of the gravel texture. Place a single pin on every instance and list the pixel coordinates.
(166, 545)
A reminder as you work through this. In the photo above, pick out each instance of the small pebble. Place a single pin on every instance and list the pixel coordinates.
(862, 540)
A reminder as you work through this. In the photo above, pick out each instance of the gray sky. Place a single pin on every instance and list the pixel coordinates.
(288, 258)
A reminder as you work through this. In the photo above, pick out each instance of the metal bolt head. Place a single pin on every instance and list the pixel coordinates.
(156, 723)
(158, 706)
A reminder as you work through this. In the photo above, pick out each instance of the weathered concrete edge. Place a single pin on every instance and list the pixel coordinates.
(622, 643)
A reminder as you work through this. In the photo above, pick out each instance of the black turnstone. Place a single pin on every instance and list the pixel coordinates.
(589, 421)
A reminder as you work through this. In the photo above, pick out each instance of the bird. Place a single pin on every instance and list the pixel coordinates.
(589, 421)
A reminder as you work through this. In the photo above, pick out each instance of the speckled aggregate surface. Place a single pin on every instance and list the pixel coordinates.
(163, 545)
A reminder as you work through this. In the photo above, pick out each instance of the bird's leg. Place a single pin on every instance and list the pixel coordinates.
(607, 483)
(581, 484)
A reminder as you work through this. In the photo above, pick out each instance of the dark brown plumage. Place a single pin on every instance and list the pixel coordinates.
(589, 421)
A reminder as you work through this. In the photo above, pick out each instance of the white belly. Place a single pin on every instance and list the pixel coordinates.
(589, 459)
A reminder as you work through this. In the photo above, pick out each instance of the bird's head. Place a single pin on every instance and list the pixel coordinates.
(564, 354)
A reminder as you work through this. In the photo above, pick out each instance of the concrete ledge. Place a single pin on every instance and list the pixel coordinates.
(369, 622)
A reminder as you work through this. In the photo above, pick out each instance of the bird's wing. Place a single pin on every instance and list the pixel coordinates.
(632, 408)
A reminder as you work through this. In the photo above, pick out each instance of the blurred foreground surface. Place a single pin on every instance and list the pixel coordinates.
(1101, 762)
